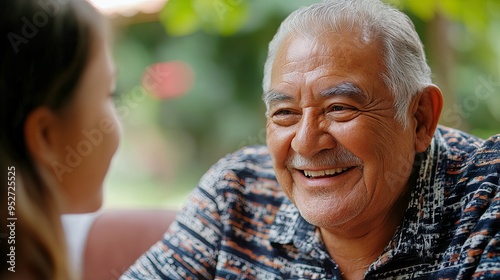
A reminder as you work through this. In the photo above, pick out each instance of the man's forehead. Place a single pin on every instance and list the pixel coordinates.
(339, 52)
(303, 46)
(329, 65)
(343, 45)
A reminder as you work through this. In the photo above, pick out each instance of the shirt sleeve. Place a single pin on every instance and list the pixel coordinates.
(189, 248)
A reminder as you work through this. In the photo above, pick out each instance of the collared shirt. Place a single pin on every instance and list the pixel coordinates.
(238, 224)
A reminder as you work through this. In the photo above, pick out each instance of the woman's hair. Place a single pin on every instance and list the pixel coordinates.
(39, 248)
(45, 47)
(406, 70)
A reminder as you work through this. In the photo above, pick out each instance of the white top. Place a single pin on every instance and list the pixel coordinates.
(76, 228)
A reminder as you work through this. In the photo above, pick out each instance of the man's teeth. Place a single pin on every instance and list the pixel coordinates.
(312, 174)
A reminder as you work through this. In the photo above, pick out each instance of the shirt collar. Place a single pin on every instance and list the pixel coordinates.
(283, 229)
(420, 230)
(289, 227)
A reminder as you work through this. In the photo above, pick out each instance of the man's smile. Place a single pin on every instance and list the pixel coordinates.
(313, 174)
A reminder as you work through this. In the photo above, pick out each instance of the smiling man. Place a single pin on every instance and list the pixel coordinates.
(357, 179)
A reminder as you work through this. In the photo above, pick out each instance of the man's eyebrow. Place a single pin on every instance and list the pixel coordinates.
(274, 96)
(346, 88)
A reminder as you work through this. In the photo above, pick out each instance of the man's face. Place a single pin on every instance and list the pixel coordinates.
(337, 150)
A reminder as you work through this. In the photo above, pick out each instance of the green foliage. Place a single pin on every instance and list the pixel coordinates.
(475, 15)
(224, 17)
(424, 9)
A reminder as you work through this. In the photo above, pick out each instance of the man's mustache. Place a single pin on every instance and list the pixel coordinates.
(339, 156)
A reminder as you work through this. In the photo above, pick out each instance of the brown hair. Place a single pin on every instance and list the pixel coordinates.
(45, 47)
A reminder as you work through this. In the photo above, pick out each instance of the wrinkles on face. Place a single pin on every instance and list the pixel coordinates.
(331, 130)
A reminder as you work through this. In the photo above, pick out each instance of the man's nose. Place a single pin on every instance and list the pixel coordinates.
(312, 136)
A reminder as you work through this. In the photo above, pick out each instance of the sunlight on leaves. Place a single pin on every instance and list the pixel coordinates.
(223, 17)
(179, 18)
(424, 9)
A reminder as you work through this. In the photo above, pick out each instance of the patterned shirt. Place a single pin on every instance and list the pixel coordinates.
(238, 224)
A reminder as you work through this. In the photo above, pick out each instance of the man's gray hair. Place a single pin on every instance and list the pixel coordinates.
(407, 72)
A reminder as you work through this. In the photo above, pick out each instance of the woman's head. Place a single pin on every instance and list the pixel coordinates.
(59, 129)
(56, 79)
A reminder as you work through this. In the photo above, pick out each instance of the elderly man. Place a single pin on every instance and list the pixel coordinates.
(357, 181)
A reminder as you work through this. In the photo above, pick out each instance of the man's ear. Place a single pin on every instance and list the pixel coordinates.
(426, 111)
(40, 136)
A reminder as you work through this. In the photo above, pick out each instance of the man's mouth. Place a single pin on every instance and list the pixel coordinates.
(324, 173)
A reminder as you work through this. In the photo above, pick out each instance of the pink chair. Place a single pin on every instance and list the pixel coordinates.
(118, 237)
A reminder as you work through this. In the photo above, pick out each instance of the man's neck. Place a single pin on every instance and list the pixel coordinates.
(354, 255)
(355, 247)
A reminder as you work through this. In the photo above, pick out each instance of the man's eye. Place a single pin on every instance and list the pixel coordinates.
(341, 113)
(283, 112)
(285, 117)
(336, 108)
(340, 108)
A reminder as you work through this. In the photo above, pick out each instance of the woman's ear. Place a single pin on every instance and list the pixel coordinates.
(426, 112)
(40, 136)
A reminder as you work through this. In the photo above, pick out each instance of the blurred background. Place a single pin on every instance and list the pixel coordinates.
(179, 118)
